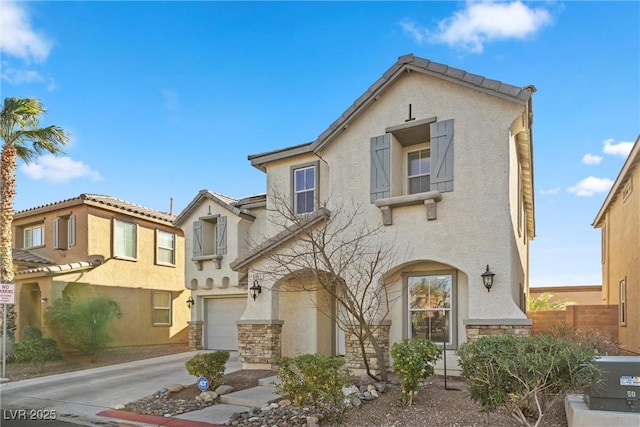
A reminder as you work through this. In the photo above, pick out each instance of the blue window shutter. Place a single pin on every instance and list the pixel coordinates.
(221, 235)
(197, 238)
(442, 156)
(71, 236)
(56, 230)
(380, 167)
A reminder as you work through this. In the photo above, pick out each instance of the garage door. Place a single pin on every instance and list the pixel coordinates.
(221, 331)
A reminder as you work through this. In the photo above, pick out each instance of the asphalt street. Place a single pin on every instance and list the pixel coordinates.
(76, 397)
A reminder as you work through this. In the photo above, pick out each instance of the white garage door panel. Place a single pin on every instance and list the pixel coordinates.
(221, 331)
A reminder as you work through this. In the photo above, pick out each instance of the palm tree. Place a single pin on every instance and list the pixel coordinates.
(22, 139)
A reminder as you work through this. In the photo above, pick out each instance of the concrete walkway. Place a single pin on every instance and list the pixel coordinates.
(88, 397)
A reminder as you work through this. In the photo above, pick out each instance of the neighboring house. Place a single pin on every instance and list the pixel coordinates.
(442, 159)
(619, 220)
(94, 245)
(217, 230)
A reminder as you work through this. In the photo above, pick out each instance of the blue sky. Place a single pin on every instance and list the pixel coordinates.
(164, 99)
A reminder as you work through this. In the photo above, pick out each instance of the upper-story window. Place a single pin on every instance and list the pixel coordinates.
(64, 232)
(305, 188)
(125, 241)
(210, 238)
(419, 171)
(33, 236)
(165, 248)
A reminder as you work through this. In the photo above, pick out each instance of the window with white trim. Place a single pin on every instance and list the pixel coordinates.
(429, 298)
(125, 240)
(622, 306)
(304, 189)
(419, 171)
(33, 236)
(165, 248)
(161, 312)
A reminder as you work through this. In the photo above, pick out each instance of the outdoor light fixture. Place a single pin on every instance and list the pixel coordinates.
(487, 278)
(190, 302)
(255, 289)
(44, 299)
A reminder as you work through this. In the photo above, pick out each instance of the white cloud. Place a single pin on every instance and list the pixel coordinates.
(16, 77)
(550, 191)
(590, 186)
(482, 22)
(19, 39)
(58, 169)
(619, 149)
(591, 159)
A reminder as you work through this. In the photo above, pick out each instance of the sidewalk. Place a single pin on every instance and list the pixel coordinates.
(88, 397)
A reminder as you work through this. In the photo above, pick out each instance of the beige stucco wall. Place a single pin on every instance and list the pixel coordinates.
(621, 260)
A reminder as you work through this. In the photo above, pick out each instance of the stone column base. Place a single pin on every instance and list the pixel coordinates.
(353, 352)
(259, 343)
(195, 334)
(477, 328)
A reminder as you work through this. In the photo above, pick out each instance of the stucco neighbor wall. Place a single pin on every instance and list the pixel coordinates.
(621, 260)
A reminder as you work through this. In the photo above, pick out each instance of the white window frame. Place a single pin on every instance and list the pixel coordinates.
(314, 166)
(409, 177)
(452, 339)
(64, 232)
(123, 253)
(161, 249)
(156, 307)
(622, 305)
(30, 242)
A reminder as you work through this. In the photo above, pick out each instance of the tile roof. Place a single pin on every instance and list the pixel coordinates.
(107, 201)
(24, 256)
(59, 268)
(233, 205)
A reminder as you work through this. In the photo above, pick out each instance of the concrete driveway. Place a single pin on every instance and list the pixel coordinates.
(77, 397)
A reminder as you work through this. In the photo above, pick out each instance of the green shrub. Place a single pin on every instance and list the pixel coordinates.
(208, 365)
(34, 348)
(313, 379)
(525, 375)
(413, 360)
(601, 343)
(83, 324)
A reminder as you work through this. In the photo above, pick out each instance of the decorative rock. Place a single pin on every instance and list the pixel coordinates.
(119, 406)
(224, 389)
(374, 393)
(366, 380)
(174, 388)
(367, 396)
(348, 391)
(312, 420)
(208, 396)
(355, 401)
(381, 387)
(284, 402)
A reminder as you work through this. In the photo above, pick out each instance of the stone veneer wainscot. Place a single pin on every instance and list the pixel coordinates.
(353, 354)
(259, 342)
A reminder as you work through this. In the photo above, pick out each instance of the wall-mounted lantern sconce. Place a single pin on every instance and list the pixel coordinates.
(43, 300)
(190, 302)
(255, 289)
(487, 278)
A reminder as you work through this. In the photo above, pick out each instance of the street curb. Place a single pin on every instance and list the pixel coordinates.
(154, 419)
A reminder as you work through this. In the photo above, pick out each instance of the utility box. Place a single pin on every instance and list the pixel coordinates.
(620, 390)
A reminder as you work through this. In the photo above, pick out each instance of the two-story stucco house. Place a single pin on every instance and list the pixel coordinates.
(619, 221)
(94, 245)
(442, 161)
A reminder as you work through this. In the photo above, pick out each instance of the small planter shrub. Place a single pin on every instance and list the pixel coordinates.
(312, 379)
(525, 375)
(413, 361)
(35, 348)
(601, 343)
(208, 365)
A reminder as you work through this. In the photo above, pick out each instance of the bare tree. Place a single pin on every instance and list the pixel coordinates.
(339, 253)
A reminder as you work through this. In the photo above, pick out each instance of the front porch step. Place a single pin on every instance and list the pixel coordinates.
(252, 397)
